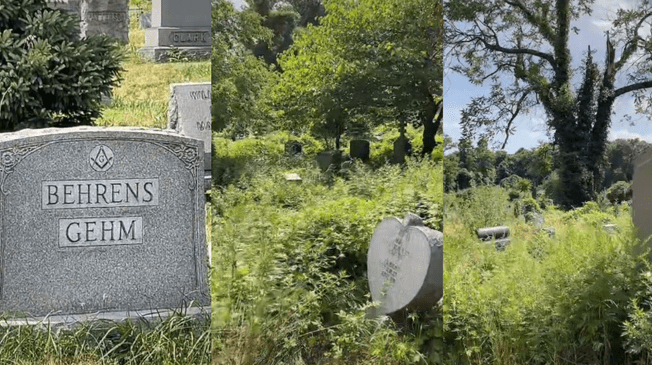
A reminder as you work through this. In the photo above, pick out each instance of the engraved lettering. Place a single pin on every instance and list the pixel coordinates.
(88, 231)
(68, 233)
(131, 230)
(67, 192)
(151, 196)
(99, 193)
(106, 231)
(50, 193)
(115, 192)
(80, 193)
(134, 193)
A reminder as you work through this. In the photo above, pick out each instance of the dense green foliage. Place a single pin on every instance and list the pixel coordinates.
(362, 65)
(523, 49)
(366, 64)
(580, 297)
(289, 260)
(535, 173)
(238, 77)
(47, 75)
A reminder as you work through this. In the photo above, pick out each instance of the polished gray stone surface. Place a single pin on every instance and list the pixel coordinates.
(101, 219)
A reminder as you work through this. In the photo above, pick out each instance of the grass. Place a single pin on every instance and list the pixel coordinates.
(179, 339)
(142, 98)
(289, 260)
(562, 300)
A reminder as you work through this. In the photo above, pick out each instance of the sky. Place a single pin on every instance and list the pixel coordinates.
(531, 128)
(239, 4)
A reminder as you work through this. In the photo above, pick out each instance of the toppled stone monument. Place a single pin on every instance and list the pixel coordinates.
(405, 265)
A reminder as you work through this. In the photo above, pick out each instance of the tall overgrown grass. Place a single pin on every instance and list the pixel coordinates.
(289, 283)
(179, 339)
(581, 297)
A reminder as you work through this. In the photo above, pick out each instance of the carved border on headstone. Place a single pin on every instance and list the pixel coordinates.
(189, 155)
(11, 157)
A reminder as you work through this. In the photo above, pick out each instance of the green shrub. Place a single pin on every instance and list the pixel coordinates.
(619, 192)
(47, 75)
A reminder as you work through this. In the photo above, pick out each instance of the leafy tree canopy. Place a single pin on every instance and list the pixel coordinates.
(522, 48)
(369, 62)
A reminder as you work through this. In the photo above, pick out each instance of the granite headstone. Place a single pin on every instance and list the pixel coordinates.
(184, 25)
(405, 265)
(109, 17)
(101, 219)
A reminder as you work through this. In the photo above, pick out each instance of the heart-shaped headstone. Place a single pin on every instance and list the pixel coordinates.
(405, 265)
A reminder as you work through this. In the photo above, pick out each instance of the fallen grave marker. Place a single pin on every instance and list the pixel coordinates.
(405, 265)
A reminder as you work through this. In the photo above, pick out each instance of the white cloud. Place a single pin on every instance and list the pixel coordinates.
(624, 134)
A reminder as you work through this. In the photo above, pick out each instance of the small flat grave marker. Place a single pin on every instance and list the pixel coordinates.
(404, 265)
(97, 219)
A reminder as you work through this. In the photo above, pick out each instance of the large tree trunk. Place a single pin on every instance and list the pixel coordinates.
(431, 125)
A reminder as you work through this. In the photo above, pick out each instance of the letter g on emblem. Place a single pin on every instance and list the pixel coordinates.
(101, 158)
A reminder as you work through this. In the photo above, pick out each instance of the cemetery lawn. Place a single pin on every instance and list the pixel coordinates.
(142, 98)
(582, 297)
(289, 279)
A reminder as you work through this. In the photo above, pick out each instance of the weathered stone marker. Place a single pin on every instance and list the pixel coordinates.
(500, 234)
(360, 148)
(405, 265)
(190, 113)
(642, 194)
(109, 17)
(180, 24)
(98, 219)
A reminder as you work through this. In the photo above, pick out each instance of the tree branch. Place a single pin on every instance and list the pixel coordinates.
(543, 27)
(514, 115)
(632, 87)
(631, 46)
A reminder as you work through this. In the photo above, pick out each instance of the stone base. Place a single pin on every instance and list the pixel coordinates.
(162, 54)
(74, 319)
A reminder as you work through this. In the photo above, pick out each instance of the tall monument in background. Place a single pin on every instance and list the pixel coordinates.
(183, 25)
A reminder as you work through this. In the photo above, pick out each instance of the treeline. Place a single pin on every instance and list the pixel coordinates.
(534, 171)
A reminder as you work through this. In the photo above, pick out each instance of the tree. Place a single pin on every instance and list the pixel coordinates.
(48, 75)
(368, 63)
(282, 18)
(522, 47)
(239, 79)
